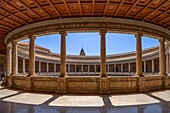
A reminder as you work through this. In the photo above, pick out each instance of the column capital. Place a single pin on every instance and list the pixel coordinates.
(31, 37)
(138, 35)
(8, 47)
(162, 40)
(14, 42)
(63, 33)
(103, 32)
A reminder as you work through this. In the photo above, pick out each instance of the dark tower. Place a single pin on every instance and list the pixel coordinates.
(82, 53)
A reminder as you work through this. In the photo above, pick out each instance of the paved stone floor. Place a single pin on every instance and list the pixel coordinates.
(22, 102)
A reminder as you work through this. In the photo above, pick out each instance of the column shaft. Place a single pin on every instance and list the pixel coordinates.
(144, 66)
(108, 68)
(63, 54)
(162, 64)
(68, 67)
(129, 67)
(54, 67)
(14, 58)
(39, 66)
(31, 56)
(114, 67)
(138, 54)
(23, 65)
(153, 66)
(47, 67)
(8, 61)
(103, 53)
(167, 64)
(82, 68)
(169, 57)
(121, 67)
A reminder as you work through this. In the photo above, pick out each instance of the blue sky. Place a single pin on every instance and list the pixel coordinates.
(115, 43)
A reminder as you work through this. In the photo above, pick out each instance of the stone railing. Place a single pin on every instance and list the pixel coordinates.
(90, 84)
(92, 74)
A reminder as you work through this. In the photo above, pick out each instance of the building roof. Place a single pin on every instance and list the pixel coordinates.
(82, 52)
(18, 13)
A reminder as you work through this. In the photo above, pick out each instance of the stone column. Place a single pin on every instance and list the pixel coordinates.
(139, 54)
(167, 64)
(54, 67)
(153, 66)
(23, 66)
(63, 54)
(169, 58)
(75, 68)
(121, 67)
(39, 66)
(162, 64)
(114, 67)
(8, 61)
(103, 53)
(88, 68)
(82, 68)
(104, 81)
(32, 56)
(129, 67)
(47, 67)
(95, 70)
(144, 63)
(108, 68)
(14, 58)
(68, 67)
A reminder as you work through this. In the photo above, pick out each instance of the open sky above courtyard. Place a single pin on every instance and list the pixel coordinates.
(115, 43)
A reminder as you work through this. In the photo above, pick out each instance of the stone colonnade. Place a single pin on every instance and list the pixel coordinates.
(63, 56)
(150, 66)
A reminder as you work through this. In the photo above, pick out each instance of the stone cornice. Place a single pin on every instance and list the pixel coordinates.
(89, 24)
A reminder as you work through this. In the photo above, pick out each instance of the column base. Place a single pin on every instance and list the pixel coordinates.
(62, 84)
(162, 74)
(28, 85)
(165, 81)
(139, 75)
(104, 85)
(8, 81)
(24, 73)
(103, 75)
(142, 84)
(62, 75)
(30, 75)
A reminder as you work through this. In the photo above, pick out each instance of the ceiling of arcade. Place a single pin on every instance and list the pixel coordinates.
(17, 13)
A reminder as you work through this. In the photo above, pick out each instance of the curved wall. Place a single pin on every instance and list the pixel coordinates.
(48, 63)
